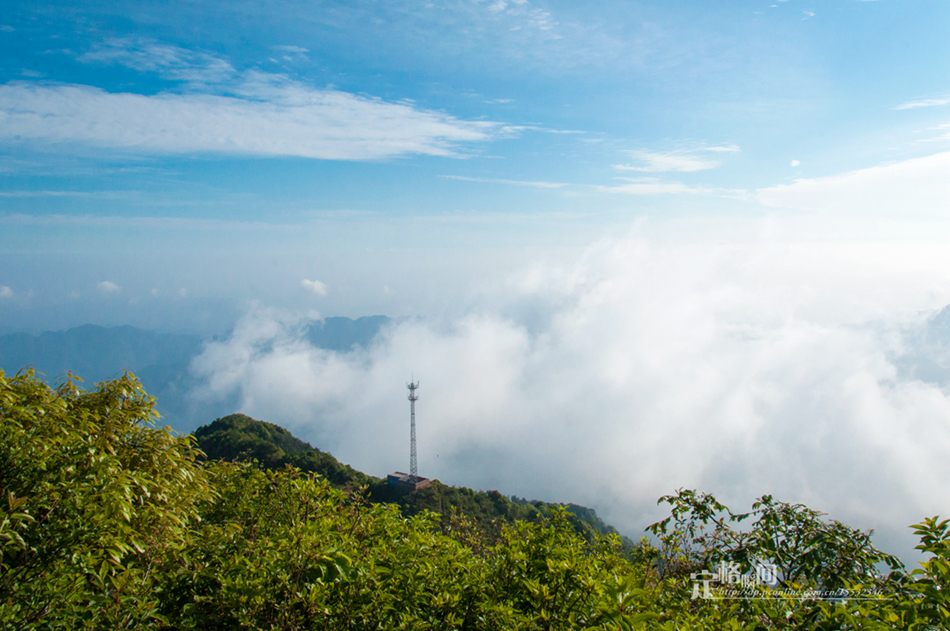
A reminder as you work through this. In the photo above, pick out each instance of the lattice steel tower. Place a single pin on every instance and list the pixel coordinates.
(413, 397)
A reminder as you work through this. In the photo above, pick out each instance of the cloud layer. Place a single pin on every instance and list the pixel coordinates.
(639, 369)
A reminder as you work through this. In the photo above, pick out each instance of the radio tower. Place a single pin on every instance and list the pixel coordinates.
(413, 397)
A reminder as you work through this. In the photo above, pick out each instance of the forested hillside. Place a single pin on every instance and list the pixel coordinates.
(109, 523)
(241, 438)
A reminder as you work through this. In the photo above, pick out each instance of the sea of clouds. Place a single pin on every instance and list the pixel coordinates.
(812, 371)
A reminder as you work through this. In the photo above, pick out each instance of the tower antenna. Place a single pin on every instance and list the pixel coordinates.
(410, 481)
(413, 397)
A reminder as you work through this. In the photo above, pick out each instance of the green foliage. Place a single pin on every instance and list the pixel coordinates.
(694, 535)
(240, 437)
(95, 500)
(805, 548)
(933, 576)
(109, 523)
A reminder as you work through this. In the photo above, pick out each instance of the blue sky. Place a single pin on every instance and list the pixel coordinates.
(696, 243)
(145, 144)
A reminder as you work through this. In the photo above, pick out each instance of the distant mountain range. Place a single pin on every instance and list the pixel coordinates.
(160, 360)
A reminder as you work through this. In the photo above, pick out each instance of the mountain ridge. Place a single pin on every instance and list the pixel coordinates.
(242, 438)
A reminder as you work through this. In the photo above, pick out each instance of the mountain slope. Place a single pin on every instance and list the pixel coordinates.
(240, 437)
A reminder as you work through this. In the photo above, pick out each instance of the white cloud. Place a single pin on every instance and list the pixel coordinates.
(148, 223)
(488, 180)
(96, 194)
(945, 128)
(795, 163)
(915, 187)
(656, 186)
(5, 292)
(652, 186)
(638, 369)
(922, 103)
(291, 49)
(270, 115)
(315, 286)
(522, 13)
(169, 61)
(686, 160)
(108, 287)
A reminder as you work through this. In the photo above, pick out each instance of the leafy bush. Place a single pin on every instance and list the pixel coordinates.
(96, 503)
(804, 548)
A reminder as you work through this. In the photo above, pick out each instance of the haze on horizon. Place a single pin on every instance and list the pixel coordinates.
(640, 245)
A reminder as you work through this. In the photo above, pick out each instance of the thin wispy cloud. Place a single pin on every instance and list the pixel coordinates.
(170, 62)
(923, 103)
(944, 135)
(488, 180)
(147, 223)
(5, 292)
(547, 130)
(95, 194)
(524, 14)
(300, 50)
(652, 186)
(686, 160)
(657, 186)
(268, 115)
(108, 287)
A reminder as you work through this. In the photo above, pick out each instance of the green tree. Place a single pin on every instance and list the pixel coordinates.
(240, 437)
(805, 548)
(97, 500)
(932, 582)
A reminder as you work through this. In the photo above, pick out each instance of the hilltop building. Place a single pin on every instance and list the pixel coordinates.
(407, 481)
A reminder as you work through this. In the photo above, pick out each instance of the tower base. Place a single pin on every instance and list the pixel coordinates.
(406, 481)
